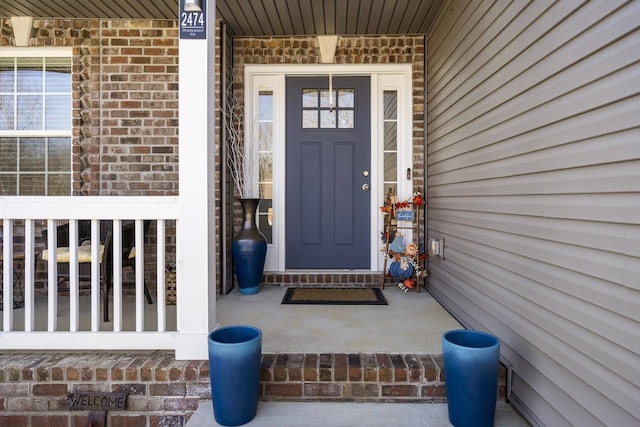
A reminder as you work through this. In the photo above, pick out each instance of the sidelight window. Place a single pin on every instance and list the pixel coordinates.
(390, 150)
(265, 166)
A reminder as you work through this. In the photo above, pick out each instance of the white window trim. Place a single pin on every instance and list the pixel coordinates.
(384, 77)
(49, 52)
(12, 51)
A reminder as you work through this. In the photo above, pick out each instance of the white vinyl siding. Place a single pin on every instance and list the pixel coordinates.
(533, 176)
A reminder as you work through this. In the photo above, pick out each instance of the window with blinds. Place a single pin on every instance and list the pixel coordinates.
(35, 125)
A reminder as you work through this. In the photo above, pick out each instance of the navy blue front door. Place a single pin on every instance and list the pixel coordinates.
(328, 165)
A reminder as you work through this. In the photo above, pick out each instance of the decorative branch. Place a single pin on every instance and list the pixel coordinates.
(233, 140)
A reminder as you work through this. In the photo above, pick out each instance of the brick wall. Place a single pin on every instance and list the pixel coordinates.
(138, 107)
(161, 391)
(165, 392)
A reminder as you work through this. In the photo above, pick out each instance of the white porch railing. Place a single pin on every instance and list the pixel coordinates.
(134, 334)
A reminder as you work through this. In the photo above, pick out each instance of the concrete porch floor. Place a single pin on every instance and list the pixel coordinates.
(411, 323)
(333, 414)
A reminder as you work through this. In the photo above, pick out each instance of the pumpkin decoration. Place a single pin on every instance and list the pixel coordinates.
(397, 245)
(401, 270)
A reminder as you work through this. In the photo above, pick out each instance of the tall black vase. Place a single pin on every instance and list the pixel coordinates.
(249, 249)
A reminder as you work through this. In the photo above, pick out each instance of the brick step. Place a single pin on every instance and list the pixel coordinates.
(356, 377)
(162, 390)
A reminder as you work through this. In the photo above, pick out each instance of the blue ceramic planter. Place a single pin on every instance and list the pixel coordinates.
(234, 369)
(249, 249)
(471, 360)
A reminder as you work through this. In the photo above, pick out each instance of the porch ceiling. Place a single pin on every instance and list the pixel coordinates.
(255, 17)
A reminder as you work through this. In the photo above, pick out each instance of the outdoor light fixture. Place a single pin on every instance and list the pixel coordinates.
(192, 6)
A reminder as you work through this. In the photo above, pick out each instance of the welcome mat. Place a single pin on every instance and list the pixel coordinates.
(334, 296)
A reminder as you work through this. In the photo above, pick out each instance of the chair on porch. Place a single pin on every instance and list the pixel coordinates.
(84, 248)
(128, 261)
(105, 255)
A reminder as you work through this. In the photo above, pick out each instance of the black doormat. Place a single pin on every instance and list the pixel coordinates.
(334, 296)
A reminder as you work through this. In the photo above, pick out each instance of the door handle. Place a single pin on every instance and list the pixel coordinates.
(365, 187)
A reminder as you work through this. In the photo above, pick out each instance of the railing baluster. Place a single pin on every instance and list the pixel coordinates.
(74, 285)
(95, 275)
(117, 275)
(29, 275)
(139, 245)
(52, 267)
(160, 274)
(7, 273)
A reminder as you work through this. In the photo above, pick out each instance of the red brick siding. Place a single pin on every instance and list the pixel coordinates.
(139, 107)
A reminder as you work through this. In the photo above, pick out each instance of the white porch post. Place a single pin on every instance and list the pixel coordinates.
(196, 293)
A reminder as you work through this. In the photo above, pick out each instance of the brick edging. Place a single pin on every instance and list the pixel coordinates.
(353, 377)
(165, 391)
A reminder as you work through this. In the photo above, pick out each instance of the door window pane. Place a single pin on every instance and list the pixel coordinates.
(346, 98)
(310, 119)
(335, 109)
(327, 98)
(309, 98)
(345, 119)
(328, 119)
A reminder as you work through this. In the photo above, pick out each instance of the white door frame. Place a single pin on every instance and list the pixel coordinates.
(384, 77)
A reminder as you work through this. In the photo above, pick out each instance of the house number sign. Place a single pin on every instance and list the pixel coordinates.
(193, 25)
